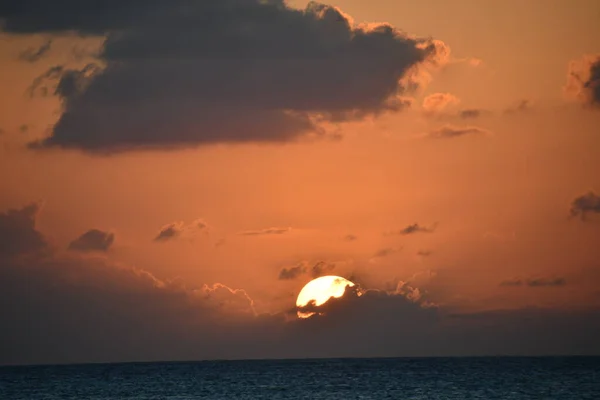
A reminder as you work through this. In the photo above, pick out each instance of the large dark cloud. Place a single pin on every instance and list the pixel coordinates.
(585, 204)
(185, 73)
(68, 307)
(93, 240)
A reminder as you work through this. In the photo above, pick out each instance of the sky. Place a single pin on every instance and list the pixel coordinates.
(172, 173)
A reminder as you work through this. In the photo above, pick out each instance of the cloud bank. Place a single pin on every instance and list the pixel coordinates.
(72, 307)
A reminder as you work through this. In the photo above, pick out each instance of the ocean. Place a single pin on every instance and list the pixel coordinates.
(563, 378)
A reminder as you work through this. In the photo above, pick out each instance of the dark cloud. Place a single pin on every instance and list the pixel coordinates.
(318, 269)
(412, 229)
(176, 229)
(183, 73)
(585, 204)
(93, 240)
(386, 252)
(584, 80)
(17, 232)
(322, 268)
(542, 282)
(35, 54)
(267, 231)
(471, 113)
(72, 308)
(292, 272)
(424, 253)
(450, 131)
(169, 232)
(535, 282)
(350, 238)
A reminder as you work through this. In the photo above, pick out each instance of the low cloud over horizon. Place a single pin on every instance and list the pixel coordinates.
(67, 297)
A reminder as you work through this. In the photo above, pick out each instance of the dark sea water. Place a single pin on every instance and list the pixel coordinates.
(427, 378)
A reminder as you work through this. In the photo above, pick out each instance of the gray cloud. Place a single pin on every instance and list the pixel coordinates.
(71, 308)
(183, 73)
(535, 282)
(169, 232)
(322, 268)
(585, 204)
(176, 229)
(386, 252)
(318, 269)
(266, 231)
(93, 240)
(472, 113)
(450, 131)
(412, 229)
(35, 54)
(350, 238)
(17, 232)
(292, 272)
(584, 80)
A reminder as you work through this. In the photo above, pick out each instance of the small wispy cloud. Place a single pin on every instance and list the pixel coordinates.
(267, 231)
(176, 229)
(451, 131)
(412, 229)
(535, 282)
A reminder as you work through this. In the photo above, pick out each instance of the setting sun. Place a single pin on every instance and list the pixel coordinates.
(320, 290)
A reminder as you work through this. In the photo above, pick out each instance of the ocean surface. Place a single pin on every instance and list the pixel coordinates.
(561, 378)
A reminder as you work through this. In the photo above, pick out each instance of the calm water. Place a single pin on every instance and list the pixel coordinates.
(458, 378)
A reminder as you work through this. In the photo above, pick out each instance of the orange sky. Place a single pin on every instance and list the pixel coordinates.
(493, 193)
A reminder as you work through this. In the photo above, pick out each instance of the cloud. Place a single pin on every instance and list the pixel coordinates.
(322, 268)
(292, 272)
(583, 80)
(169, 231)
(266, 231)
(424, 253)
(35, 54)
(73, 307)
(17, 232)
(318, 269)
(450, 131)
(471, 113)
(412, 229)
(183, 74)
(176, 229)
(350, 238)
(386, 252)
(439, 102)
(535, 282)
(93, 240)
(585, 204)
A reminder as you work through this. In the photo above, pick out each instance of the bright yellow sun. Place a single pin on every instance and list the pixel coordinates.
(320, 290)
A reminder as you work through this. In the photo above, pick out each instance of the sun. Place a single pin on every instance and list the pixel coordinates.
(320, 290)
